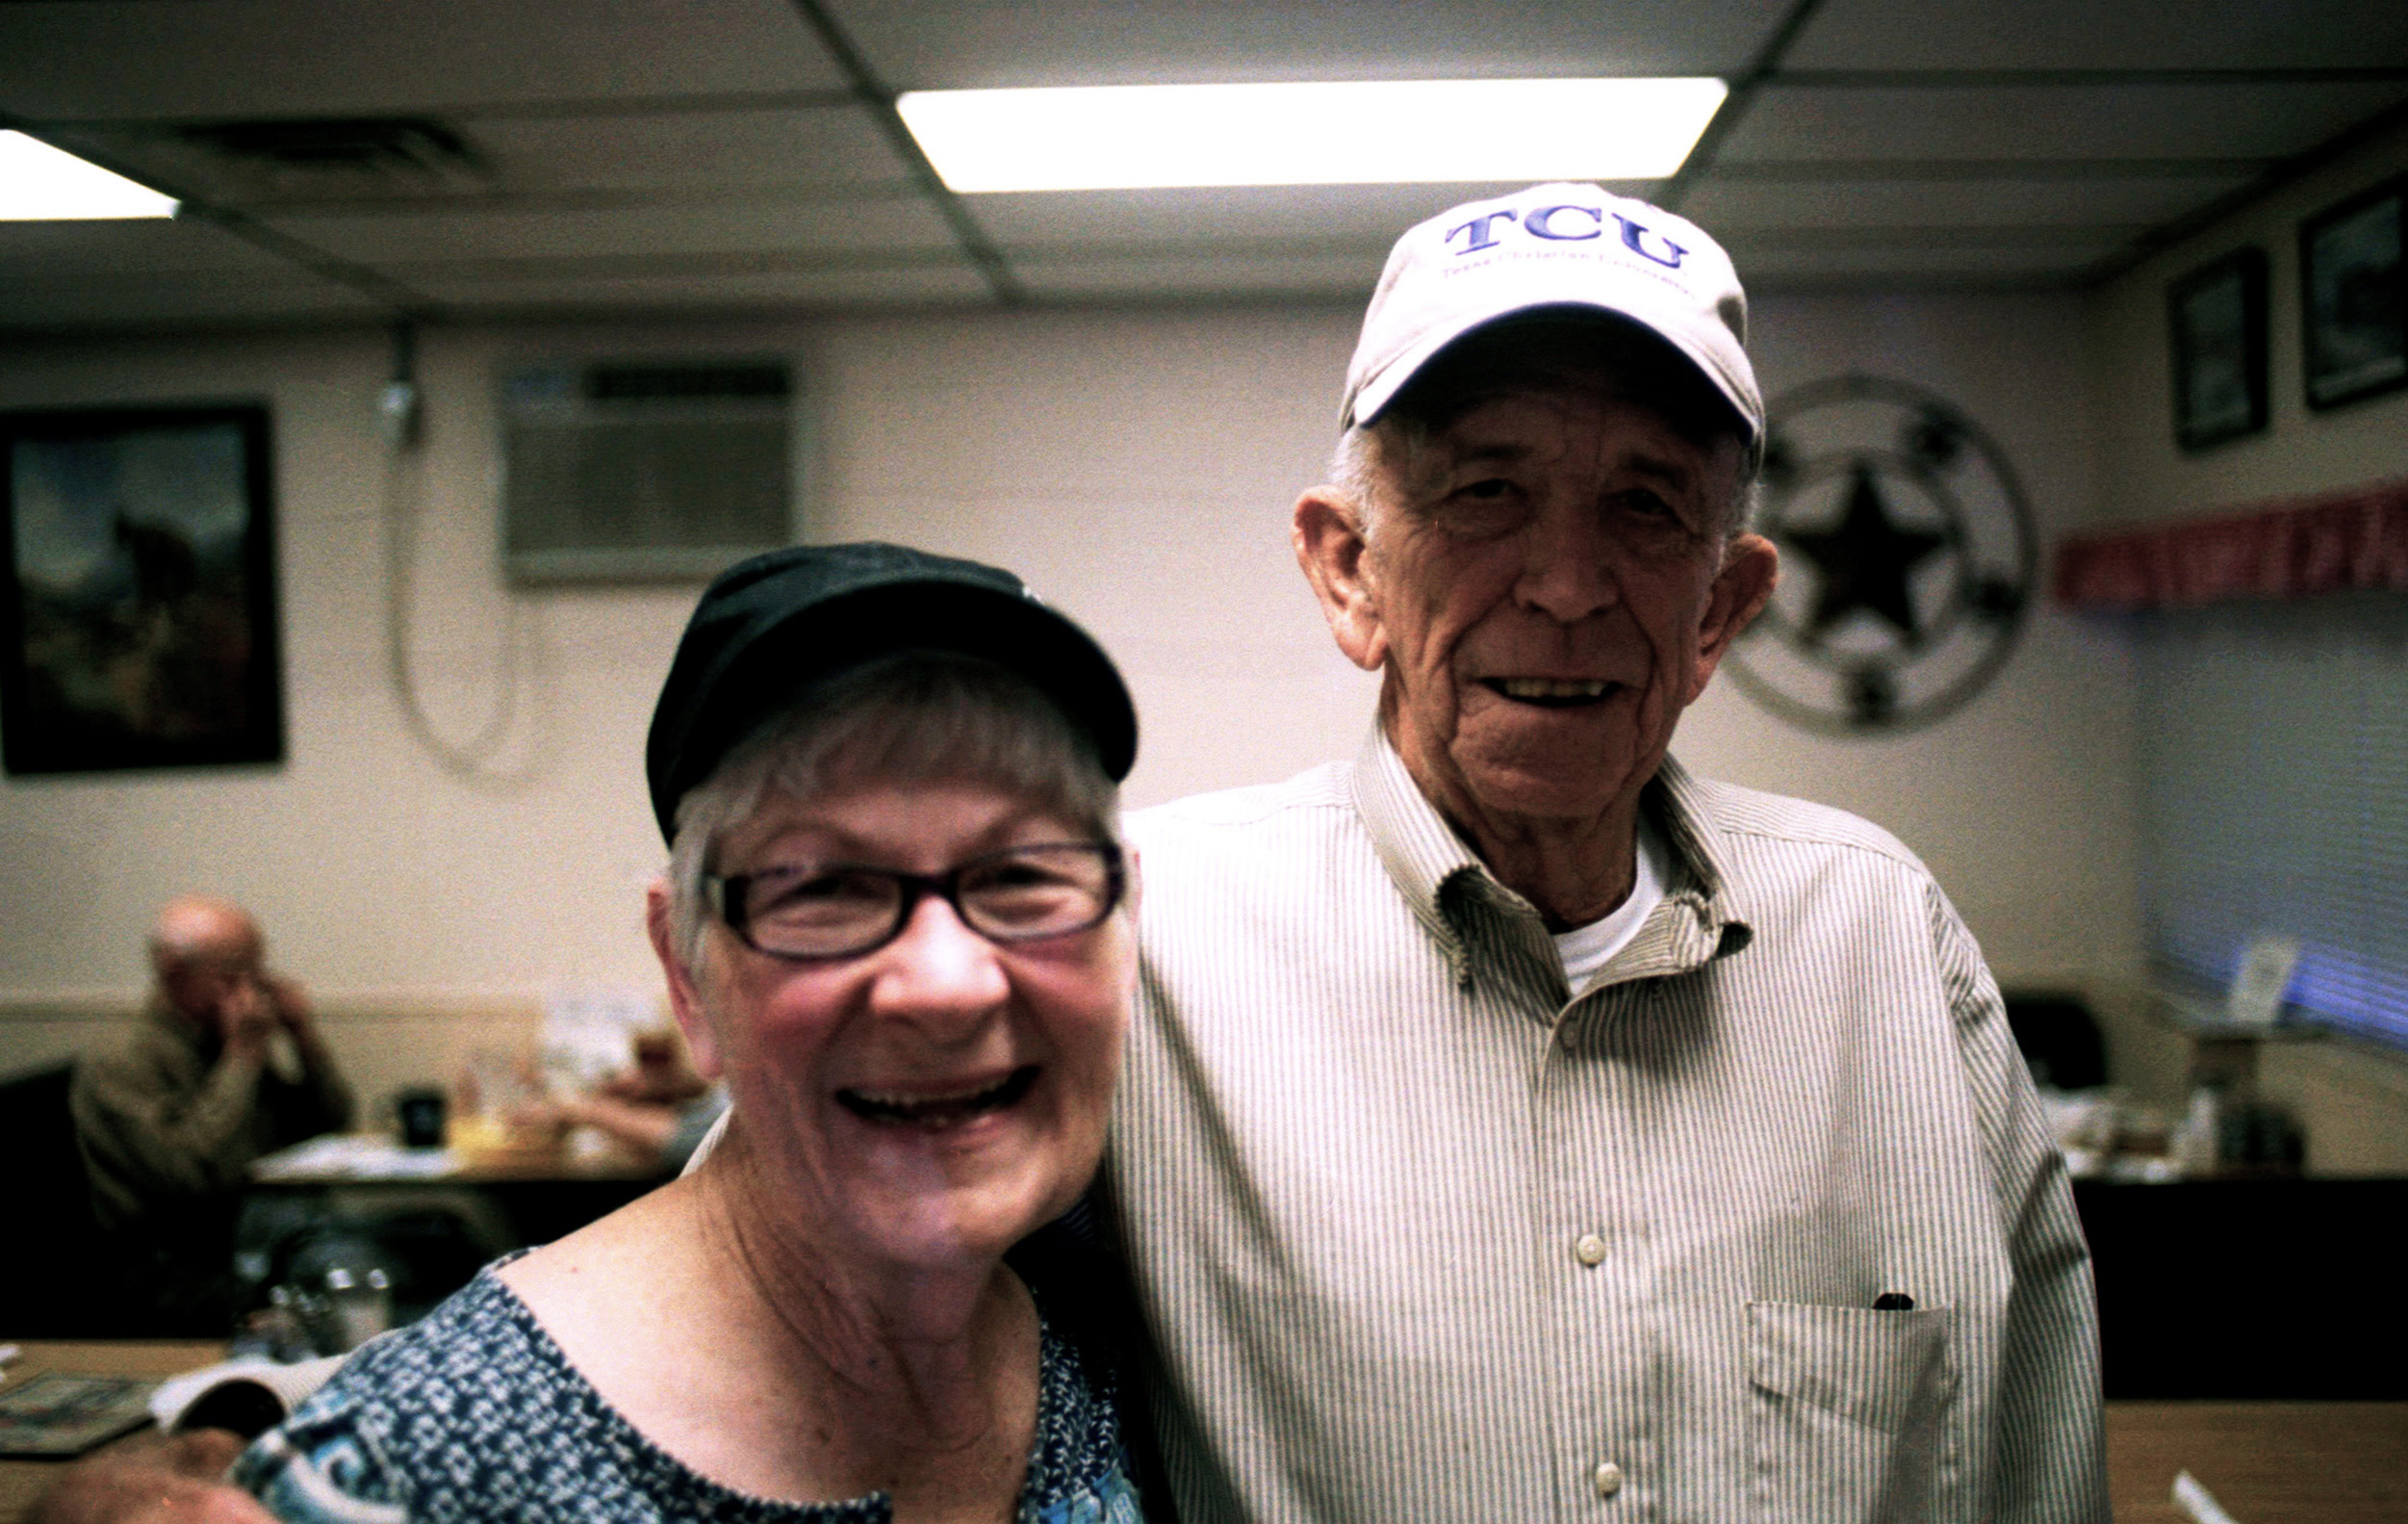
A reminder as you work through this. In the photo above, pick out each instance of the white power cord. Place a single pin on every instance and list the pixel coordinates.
(470, 760)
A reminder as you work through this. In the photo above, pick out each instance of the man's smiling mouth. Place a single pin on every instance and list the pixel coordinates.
(1555, 694)
(941, 1110)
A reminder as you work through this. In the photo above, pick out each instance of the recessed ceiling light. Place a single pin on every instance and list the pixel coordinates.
(1115, 137)
(41, 184)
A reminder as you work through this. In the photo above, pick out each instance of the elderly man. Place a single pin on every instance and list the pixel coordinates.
(1517, 1126)
(170, 1123)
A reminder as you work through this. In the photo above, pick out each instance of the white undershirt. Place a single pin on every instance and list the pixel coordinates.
(1585, 949)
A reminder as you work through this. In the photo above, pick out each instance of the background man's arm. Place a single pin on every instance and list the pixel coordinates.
(174, 1143)
(329, 1093)
(2051, 1457)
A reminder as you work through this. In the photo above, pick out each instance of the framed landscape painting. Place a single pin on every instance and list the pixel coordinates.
(2217, 316)
(2353, 298)
(138, 602)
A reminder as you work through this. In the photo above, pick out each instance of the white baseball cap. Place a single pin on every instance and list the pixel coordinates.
(1553, 245)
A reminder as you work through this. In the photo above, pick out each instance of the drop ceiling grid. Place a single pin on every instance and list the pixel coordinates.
(132, 60)
(2143, 122)
(950, 283)
(1736, 209)
(648, 153)
(394, 237)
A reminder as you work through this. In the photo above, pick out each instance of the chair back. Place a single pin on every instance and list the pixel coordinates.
(47, 1279)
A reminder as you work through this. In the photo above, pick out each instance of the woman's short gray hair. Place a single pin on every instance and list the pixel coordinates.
(909, 717)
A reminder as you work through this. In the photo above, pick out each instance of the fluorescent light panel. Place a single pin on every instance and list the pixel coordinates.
(1099, 138)
(42, 184)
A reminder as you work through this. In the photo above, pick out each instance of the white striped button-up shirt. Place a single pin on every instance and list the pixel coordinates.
(1421, 1235)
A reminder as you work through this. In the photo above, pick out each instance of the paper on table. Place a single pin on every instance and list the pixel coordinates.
(58, 1414)
(288, 1384)
(355, 1157)
(2198, 1502)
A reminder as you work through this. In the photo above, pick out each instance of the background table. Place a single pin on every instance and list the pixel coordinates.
(2266, 1462)
(503, 1199)
(2249, 1290)
(21, 1482)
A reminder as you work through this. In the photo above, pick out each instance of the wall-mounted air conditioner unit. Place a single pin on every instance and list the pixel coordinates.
(645, 470)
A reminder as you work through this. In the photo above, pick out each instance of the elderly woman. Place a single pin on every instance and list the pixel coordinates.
(895, 920)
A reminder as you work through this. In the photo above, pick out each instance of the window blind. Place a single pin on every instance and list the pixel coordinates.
(2275, 796)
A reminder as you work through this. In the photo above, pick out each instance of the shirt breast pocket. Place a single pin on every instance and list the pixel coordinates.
(1849, 1412)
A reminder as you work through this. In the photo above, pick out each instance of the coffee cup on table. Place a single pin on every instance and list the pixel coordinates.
(422, 1114)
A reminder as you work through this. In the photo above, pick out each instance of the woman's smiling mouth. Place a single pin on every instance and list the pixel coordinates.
(938, 1111)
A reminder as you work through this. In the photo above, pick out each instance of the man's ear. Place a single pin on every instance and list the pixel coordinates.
(1751, 569)
(1328, 540)
(686, 1002)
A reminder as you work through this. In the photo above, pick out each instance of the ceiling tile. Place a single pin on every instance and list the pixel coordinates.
(142, 59)
(1307, 215)
(1878, 242)
(28, 250)
(948, 284)
(1198, 276)
(702, 153)
(403, 237)
(2084, 33)
(1728, 209)
(830, 146)
(2155, 121)
(953, 44)
(65, 301)
(1905, 261)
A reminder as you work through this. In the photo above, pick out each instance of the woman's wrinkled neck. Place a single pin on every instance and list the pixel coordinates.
(924, 1338)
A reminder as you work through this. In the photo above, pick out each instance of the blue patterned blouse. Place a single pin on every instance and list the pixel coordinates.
(475, 1416)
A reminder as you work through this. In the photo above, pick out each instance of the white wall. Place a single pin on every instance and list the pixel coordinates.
(1135, 466)
(2021, 803)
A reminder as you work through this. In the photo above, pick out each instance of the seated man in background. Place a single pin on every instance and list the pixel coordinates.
(170, 1121)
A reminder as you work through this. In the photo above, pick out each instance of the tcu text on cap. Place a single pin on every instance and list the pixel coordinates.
(1540, 223)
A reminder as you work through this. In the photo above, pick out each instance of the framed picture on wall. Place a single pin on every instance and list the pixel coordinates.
(2353, 321)
(138, 602)
(2217, 315)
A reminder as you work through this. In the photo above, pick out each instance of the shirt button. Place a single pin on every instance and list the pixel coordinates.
(1589, 1250)
(1608, 1479)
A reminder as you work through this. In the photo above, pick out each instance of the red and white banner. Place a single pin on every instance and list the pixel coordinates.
(2331, 542)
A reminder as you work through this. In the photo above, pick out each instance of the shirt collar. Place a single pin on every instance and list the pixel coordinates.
(1420, 851)
(1433, 868)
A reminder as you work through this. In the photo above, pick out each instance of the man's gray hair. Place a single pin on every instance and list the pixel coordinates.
(909, 717)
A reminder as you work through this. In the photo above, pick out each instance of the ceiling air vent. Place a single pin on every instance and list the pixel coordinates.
(330, 155)
(617, 470)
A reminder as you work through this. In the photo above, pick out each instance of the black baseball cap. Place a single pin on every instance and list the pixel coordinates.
(767, 626)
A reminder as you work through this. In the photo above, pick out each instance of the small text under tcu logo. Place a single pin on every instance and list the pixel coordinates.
(1540, 222)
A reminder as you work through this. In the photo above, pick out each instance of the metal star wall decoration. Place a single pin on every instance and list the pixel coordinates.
(1909, 556)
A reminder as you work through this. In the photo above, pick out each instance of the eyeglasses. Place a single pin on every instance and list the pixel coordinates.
(821, 911)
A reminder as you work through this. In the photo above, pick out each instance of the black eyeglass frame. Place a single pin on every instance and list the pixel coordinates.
(726, 893)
